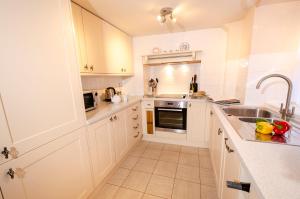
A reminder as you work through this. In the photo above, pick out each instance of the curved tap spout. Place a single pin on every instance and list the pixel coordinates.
(286, 111)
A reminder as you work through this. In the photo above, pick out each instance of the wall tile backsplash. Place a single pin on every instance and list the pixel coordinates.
(100, 83)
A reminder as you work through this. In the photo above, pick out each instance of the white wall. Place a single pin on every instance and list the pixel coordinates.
(211, 41)
(275, 49)
(172, 78)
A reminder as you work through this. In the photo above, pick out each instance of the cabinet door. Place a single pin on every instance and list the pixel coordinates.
(59, 169)
(196, 114)
(231, 170)
(39, 79)
(120, 134)
(79, 35)
(126, 47)
(93, 35)
(101, 149)
(216, 148)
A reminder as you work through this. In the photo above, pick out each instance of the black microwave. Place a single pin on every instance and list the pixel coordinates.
(90, 100)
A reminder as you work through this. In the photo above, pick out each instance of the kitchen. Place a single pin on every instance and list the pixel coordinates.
(144, 99)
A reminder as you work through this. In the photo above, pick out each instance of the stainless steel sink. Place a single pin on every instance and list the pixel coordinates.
(248, 112)
(243, 119)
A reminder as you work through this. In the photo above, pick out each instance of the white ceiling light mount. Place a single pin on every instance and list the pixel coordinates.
(164, 13)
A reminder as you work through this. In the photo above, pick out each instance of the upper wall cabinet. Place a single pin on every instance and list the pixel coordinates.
(117, 50)
(102, 48)
(39, 79)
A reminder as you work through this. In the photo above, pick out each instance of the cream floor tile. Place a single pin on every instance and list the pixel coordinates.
(188, 173)
(160, 186)
(169, 156)
(143, 143)
(152, 154)
(203, 152)
(186, 190)
(189, 149)
(207, 177)
(137, 151)
(119, 176)
(137, 181)
(155, 145)
(167, 169)
(172, 147)
(189, 159)
(205, 163)
(208, 192)
(146, 196)
(107, 192)
(128, 194)
(129, 162)
(145, 165)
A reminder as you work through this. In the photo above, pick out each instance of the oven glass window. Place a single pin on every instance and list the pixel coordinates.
(88, 100)
(172, 118)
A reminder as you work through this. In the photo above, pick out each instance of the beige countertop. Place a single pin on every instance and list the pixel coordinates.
(105, 109)
(274, 168)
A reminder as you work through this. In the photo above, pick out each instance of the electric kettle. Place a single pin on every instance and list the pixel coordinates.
(109, 93)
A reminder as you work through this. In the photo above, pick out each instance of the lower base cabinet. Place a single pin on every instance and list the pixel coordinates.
(59, 169)
(101, 147)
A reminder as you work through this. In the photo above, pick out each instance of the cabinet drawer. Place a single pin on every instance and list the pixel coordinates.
(135, 109)
(148, 104)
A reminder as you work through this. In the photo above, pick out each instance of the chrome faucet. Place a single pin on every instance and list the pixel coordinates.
(285, 112)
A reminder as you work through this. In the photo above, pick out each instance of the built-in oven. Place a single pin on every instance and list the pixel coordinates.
(90, 100)
(170, 116)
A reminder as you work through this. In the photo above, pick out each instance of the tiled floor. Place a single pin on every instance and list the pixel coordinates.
(156, 171)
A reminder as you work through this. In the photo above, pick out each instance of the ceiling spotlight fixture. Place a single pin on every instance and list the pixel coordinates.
(164, 12)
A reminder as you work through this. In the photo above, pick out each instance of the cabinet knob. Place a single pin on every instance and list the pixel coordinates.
(92, 67)
(11, 173)
(86, 67)
(5, 152)
(111, 119)
(220, 131)
(115, 117)
(211, 112)
(122, 70)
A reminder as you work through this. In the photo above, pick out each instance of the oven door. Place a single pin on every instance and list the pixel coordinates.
(170, 119)
(89, 101)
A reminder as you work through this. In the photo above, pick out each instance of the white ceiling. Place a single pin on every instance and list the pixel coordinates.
(138, 17)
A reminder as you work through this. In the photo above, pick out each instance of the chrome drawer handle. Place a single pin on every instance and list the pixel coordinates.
(137, 135)
(135, 118)
(134, 109)
(229, 150)
(137, 126)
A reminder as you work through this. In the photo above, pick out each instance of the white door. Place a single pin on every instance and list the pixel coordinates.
(93, 41)
(101, 149)
(39, 79)
(196, 127)
(80, 40)
(231, 169)
(120, 134)
(58, 170)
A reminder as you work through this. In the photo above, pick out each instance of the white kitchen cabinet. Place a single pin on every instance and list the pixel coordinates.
(101, 147)
(39, 80)
(119, 134)
(196, 126)
(231, 170)
(59, 169)
(93, 34)
(216, 150)
(80, 40)
(133, 124)
(117, 50)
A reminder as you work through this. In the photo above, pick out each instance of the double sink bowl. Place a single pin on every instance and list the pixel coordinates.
(243, 119)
